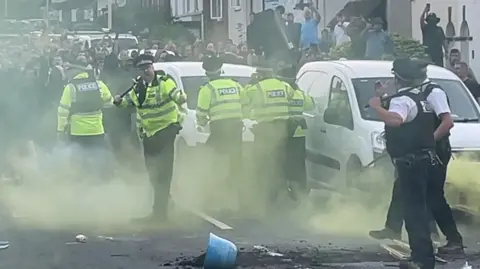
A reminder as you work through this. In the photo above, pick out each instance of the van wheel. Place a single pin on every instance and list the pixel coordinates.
(354, 170)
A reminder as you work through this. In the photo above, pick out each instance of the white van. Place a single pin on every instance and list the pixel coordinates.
(190, 76)
(343, 136)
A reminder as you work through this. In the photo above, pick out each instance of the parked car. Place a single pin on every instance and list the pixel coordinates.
(190, 76)
(344, 136)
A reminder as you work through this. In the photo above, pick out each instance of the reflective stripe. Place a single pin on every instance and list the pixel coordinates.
(173, 92)
(213, 95)
(271, 115)
(158, 105)
(227, 112)
(73, 93)
(158, 114)
(64, 106)
(203, 110)
(96, 112)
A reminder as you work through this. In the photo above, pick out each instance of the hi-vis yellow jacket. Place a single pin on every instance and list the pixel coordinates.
(161, 107)
(300, 103)
(268, 99)
(80, 108)
(220, 99)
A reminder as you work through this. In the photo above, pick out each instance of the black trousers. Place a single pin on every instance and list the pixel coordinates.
(296, 170)
(158, 151)
(413, 182)
(440, 210)
(226, 141)
(270, 144)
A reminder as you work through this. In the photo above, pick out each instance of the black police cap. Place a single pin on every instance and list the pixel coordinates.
(408, 69)
(212, 63)
(143, 59)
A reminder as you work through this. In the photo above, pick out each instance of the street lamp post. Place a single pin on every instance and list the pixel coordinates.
(110, 14)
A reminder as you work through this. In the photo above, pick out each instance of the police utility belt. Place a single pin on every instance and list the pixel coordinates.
(410, 159)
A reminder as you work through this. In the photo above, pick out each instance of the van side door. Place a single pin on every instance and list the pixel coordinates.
(315, 140)
(337, 118)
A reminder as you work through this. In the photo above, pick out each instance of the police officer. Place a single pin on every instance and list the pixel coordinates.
(411, 145)
(80, 116)
(157, 100)
(220, 103)
(441, 211)
(268, 104)
(296, 153)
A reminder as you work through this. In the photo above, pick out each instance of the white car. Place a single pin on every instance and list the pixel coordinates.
(190, 76)
(344, 136)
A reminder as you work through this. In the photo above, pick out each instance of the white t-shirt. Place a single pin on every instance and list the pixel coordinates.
(340, 35)
(407, 109)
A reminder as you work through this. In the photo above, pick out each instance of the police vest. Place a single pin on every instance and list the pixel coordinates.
(272, 100)
(414, 136)
(224, 100)
(444, 142)
(296, 106)
(86, 95)
(156, 112)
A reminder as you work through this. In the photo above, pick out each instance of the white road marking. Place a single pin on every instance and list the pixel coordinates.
(206, 217)
(212, 220)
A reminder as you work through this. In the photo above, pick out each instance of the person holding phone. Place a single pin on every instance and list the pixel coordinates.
(433, 36)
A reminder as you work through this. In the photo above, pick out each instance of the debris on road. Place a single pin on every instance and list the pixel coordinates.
(267, 251)
(81, 238)
(4, 244)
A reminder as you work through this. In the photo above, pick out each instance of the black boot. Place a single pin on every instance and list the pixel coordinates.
(451, 248)
(385, 233)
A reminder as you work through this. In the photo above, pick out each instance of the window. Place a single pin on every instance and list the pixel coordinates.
(189, 6)
(216, 9)
(338, 95)
(462, 106)
(195, 5)
(305, 81)
(339, 105)
(235, 3)
(191, 85)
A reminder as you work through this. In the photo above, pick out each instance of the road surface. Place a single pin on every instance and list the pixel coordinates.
(176, 246)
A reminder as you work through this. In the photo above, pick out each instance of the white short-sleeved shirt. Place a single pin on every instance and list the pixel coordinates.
(407, 108)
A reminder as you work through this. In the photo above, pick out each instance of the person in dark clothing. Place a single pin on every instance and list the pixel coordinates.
(410, 143)
(462, 71)
(293, 30)
(252, 35)
(433, 36)
(441, 211)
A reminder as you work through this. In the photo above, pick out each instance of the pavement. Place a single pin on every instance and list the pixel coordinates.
(181, 242)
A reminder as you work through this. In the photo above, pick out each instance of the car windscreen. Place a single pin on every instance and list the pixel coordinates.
(191, 85)
(462, 106)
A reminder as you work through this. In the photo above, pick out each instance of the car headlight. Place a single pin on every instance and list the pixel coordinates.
(378, 142)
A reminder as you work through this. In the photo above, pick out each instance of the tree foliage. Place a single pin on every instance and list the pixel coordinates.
(404, 47)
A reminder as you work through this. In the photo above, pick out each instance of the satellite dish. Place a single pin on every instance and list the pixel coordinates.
(121, 3)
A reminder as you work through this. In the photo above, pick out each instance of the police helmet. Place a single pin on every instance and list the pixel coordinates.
(143, 60)
(409, 70)
(212, 65)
